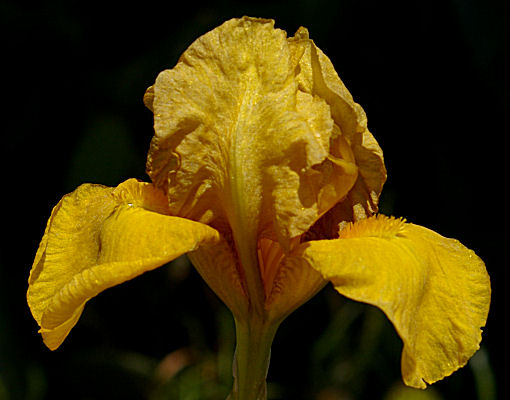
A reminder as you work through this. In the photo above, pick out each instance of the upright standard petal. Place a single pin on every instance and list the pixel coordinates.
(238, 144)
(98, 237)
(318, 77)
(435, 291)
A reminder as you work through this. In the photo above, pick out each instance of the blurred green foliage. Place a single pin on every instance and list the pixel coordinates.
(433, 78)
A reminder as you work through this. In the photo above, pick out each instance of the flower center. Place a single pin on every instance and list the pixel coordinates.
(270, 255)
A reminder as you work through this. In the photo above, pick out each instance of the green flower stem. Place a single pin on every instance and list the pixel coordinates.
(251, 362)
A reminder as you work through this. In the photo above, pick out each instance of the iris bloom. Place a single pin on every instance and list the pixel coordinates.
(264, 172)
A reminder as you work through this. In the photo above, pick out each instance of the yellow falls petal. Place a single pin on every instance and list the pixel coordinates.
(435, 291)
(237, 143)
(98, 237)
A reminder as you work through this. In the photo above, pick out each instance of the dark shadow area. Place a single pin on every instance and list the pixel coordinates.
(433, 80)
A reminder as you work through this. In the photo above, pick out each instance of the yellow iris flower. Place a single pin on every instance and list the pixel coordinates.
(264, 172)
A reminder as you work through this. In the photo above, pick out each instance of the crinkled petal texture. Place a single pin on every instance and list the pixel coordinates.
(318, 77)
(241, 143)
(435, 291)
(98, 237)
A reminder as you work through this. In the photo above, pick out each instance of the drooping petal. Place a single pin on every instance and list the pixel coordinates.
(98, 237)
(319, 78)
(237, 143)
(435, 291)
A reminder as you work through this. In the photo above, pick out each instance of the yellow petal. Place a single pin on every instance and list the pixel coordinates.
(319, 78)
(435, 291)
(220, 268)
(98, 237)
(237, 143)
(288, 282)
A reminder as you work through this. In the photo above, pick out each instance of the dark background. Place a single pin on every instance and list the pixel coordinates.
(433, 79)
